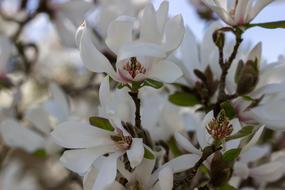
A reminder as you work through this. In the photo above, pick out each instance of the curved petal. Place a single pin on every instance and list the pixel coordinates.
(186, 144)
(58, 105)
(137, 49)
(253, 140)
(162, 15)
(92, 58)
(39, 118)
(256, 53)
(259, 5)
(165, 71)
(136, 152)
(104, 92)
(267, 172)
(107, 173)
(149, 31)
(165, 177)
(173, 33)
(74, 134)
(17, 136)
(80, 160)
(241, 169)
(120, 31)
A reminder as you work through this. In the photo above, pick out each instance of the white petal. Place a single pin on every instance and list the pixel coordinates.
(149, 31)
(80, 160)
(259, 5)
(256, 53)
(144, 170)
(174, 33)
(241, 169)
(165, 71)
(78, 33)
(162, 15)
(186, 144)
(254, 139)
(254, 153)
(183, 162)
(108, 172)
(136, 152)
(275, 120)
(39, 118)
(91, 57)
(104, 92)
(17, 136)
(221, 12)
(120, 31)
(166, 179)
(74, 134)
(137, 49)
(57, 106)
(267, 172)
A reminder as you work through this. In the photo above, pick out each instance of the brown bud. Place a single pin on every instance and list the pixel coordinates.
(247, 77)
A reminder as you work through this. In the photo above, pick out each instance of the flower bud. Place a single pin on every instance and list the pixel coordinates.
(219, 39)
(247, 76)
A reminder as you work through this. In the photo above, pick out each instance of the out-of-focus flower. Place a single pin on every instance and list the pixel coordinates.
(67, 16)
(262, 174)
(11, 178)
(137, 59)
(238, 12)
(18, 136)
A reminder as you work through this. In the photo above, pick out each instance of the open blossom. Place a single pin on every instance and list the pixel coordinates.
(237, 12)
(137, 59)
(89, 143)
(144, 176)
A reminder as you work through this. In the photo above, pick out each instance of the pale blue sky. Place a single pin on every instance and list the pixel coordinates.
(273, 40)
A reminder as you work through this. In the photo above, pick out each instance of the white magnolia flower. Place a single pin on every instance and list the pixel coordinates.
(137, 59)
(205, 139)
(142, 177)
(22, 135)
(262, 174)
(12, 177)
(89, 143)
(237, 12)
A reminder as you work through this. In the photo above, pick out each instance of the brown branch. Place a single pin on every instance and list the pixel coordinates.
(137, 101)
(191, 173)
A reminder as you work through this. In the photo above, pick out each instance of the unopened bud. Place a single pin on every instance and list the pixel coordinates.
(247, 77)
(219, 39)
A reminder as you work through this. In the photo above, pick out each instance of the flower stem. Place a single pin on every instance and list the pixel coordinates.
(137, 101)
(191, 173)
(225, 66)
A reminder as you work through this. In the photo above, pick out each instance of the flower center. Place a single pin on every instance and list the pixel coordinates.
(220, 128)
(134, 67)
(135, 186)
(123, 142)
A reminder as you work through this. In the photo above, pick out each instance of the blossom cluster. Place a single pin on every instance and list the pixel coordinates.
(121, 95)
